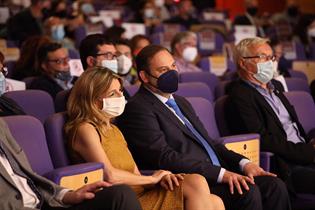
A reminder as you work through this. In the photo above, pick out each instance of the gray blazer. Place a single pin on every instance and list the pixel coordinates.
(10, 197)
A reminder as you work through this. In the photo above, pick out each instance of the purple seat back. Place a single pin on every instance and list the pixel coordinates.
(195, 89)
(79, 35)
(56, 139)
(61, 100)
(297, 74)
(204, 111)
(297, 84)
(305, 108)
(73, 54)
(206, 77)
(220, 107)
(220, 89)
(30, 135)
(132, 89)
(36, 103)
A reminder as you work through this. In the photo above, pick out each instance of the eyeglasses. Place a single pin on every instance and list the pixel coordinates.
(107, 55)
(262, 57)
(4, 70)
(60, 60)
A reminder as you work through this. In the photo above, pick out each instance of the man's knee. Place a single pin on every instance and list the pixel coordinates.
(252, 196)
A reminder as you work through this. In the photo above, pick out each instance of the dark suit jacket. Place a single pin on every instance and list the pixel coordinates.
(249, 112)
(158, 140)
(8, 189)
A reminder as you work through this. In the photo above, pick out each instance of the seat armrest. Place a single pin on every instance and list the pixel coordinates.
(245, 144)
(265, 160)
(75, 176)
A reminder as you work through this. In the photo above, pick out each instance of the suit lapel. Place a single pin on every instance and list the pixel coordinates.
(161, 108)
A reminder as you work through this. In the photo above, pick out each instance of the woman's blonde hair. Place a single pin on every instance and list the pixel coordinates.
(81, 105)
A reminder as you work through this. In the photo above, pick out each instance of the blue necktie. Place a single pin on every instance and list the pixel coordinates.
(171, 103)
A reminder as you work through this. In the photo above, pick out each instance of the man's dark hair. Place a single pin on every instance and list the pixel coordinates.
(122, 42)
(45, 49)
(145, 56)
(134, 41)
(89, 46)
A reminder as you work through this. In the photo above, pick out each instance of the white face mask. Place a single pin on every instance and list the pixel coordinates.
(311, 32)
(124, 64)
(114, 106)
(275, 69)
(149, 13)
(190, 54)
(159, 3)
(110, 64)
(265, 71)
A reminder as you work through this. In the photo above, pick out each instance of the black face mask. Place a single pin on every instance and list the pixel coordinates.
(252, 11)
(293, 11)
(167, 82)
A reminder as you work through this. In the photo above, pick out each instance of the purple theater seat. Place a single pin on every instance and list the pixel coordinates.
(219, 111)
(61, 100)
(297, 84)
(220, 89)
(131, 89)
(73, 54)
(218, 42)
(298, 74)
(30, 135)
(195, 89)
(36, 103)
(305, 108)
(206, 77)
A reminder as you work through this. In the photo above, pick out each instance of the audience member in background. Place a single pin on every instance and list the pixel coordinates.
(137, 43)
(283, 64)
(162, 10)
(7, 105)
(22, 188)
(185, 15)
(149, 15)
(28, 22)
(55, 28)
(27, 65)
(125, 62)
(163, 131)
(115, 33)
(96, 50)
(250, 17)
(259, 106)
(92, 137)
(185, 52)
(55, 70)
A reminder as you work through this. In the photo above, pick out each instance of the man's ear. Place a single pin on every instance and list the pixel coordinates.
(242, 63)
(44, 67)
(91, 62)
(143, 76)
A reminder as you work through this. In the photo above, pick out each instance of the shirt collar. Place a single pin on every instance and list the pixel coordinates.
(161, 98)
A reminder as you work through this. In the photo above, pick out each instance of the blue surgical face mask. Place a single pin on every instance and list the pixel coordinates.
(2, 84)
(58, 32)
(264, 72)
(64, 76)
(167, 82)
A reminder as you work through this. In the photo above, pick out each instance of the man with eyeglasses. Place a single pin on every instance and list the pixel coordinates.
(97, 50)
(53, 63)
(257, 105)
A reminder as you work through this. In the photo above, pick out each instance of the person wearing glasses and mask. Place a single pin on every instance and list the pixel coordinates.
(257, 105)
(98, 51)
(55, 70)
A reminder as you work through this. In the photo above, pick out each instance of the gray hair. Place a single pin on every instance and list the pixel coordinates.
(181, 37)
(242, 49)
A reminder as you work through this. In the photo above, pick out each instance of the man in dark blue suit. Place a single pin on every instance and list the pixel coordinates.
(164, 132)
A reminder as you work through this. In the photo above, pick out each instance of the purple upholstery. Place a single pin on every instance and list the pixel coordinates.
(220, 89)
(297, 74)
(297, 84)
(204, 111)
(73, 54)
(30, 135)
(79, 35)
(195, 89)
(132, 89)
(56, 139)
(206, 77)
(61, 100)
(305, 108)
(219, 111)
(219, 41)
(37, 103)
(300, 51)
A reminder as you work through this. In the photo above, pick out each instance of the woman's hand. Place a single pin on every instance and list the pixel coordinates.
(158, 175)
(169, 181)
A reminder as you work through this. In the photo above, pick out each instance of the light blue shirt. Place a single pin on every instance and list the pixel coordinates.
(290, 127)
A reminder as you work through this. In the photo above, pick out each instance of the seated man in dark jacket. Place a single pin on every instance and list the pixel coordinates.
(259, 106)
(163, 131)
